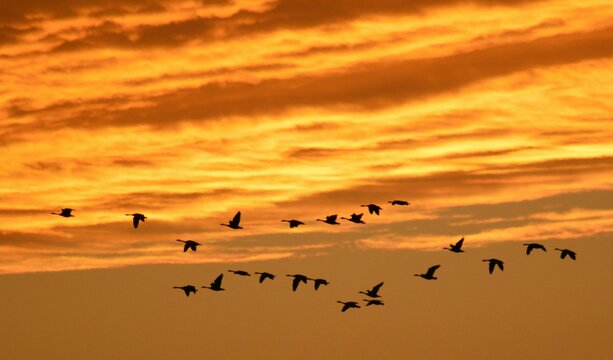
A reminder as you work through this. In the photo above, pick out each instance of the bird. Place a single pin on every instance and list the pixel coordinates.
(373, 302)
(355, 218)
(570, 253)
(293, 223)
(348, 305)
(264, 276)
(189, 244)
(429, 275)
(233, 224)
(297, 279)
(374, 292)
(67, 212)
(457, 248)
(187, 288)
(399, 202)
(330, 220)
(532, 246)
(372, 208)
(216, 285)
(494, 263)
(240, 272)
(136, 217)
(319, 282)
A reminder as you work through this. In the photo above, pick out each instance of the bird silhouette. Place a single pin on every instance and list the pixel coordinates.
(216, 285)
(136, 217)
(457, 248)
(494, 263)
(373, 302)
(319, 282)
(264, 276)
(233, 224)
(532, 246)
(348, 305)
(355, 218)
(293, 223)
(399, 202)
(240, 272)
(374, 292)
(187, 289)
(565, 252)
(67, 212)
(372, 208)
(297, 279)
(429, 275)
(189, 244)
(330, 220)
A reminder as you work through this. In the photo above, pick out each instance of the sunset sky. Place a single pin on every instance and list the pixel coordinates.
(492, 117)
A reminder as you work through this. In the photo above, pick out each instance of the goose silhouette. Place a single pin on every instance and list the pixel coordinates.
(293, 223)
(532, 246)
(319, 282)
(374, 292)
(239, 272)
(355, 218)
(136, 217)
(216, 285)
(370, 302)
(330, 220)
(234, 223)
(373, 208)
(565, 252)
(494, 263)
(189, 244)
(298, 278)
(348, 305)
(66, 212)
(187, 289)
(429, 275)
(264, 276)
(399, 202)
(457, 248)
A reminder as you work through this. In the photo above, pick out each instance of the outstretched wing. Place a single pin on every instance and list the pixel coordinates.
(135, 221)
(317, 284)
(529, 249)
(572, 255)
(431, 270)
(459, 243)
(500, 265)
(359, 216)
(295, 283)
(345, 307)
(331, 218)
(193, 246)
(376, 288)
(217, 282)
(185, 247)
(492, 266)
(237, 219)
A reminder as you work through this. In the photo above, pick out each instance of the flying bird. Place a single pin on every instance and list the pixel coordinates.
(136, 217)
(373, 302)
(565, 252)
(189, 244)
(532, 246)
(233, 224)
(399, 202)
(216, 285)
(355, 218)
(293, 223)
(494, 263)
(264, 276)
(372, 208)
(297, 279)
(429, 275)
(457, 248)
(330, 220)
(187, 288)
(349, 305)
(240, 272)
(67, 212)
(319, 282)
(374, 292)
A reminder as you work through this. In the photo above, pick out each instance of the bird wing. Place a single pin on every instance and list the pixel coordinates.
(135, 221)
(459, 243)
(193, 246)
(492, 266)
(376, 288)
(262, 277)
(186, 291)
(237, 219)
(563, 255)
(572, 255)
(331, 218)
(345, 307)
(317, 284)
(295, 283)
(185, 247)
(359, 217)
(432, 269)
(217, 282)
(377, 209)
(501, 265)
(529, 249)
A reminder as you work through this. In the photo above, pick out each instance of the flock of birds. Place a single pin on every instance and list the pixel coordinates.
(372, 293)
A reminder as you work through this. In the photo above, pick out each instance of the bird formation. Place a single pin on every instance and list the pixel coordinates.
(374, 299)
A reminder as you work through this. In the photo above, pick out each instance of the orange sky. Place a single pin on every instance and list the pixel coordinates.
(492, 117)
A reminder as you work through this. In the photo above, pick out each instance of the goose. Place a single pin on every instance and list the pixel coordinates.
(429, 275)
(373, 208)
(136, 217)
(457, 248)
(234, 223)
(494, 263)
(330, 220)
(189, 244)
(374, 292)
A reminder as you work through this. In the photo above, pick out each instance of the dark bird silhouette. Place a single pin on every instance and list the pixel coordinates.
(330, 220)
(373, 302)
(240, 272)
(374, 292)
(457, 248)
(532, 246)
(67, 212)
(319, 282)
(355, 218)
(399, 202)
(233, 224)
(216, 285)
(348, 305)
(293, 223)
(494, 263)
(372, 208)
(565, 252)
(189, 244)
(264, 276)
(297, 279)
(187, 288)
(136, 217)
(429, 275)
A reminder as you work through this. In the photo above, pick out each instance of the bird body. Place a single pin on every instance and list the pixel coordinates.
(355, 218)
(216, 285)
(189, 244)
(565, 252)
(494, 263)
(532, 246)
(264, 276)
(373, 208)
(66, 212)
(298, 278)
(348, 305)
(187, 289)
(429, 275)
(330, 220)
(240, 272)
(136, 217)
(457, 248)
(293, 223)
(234, 223)
(374, 292)
(399, 202)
